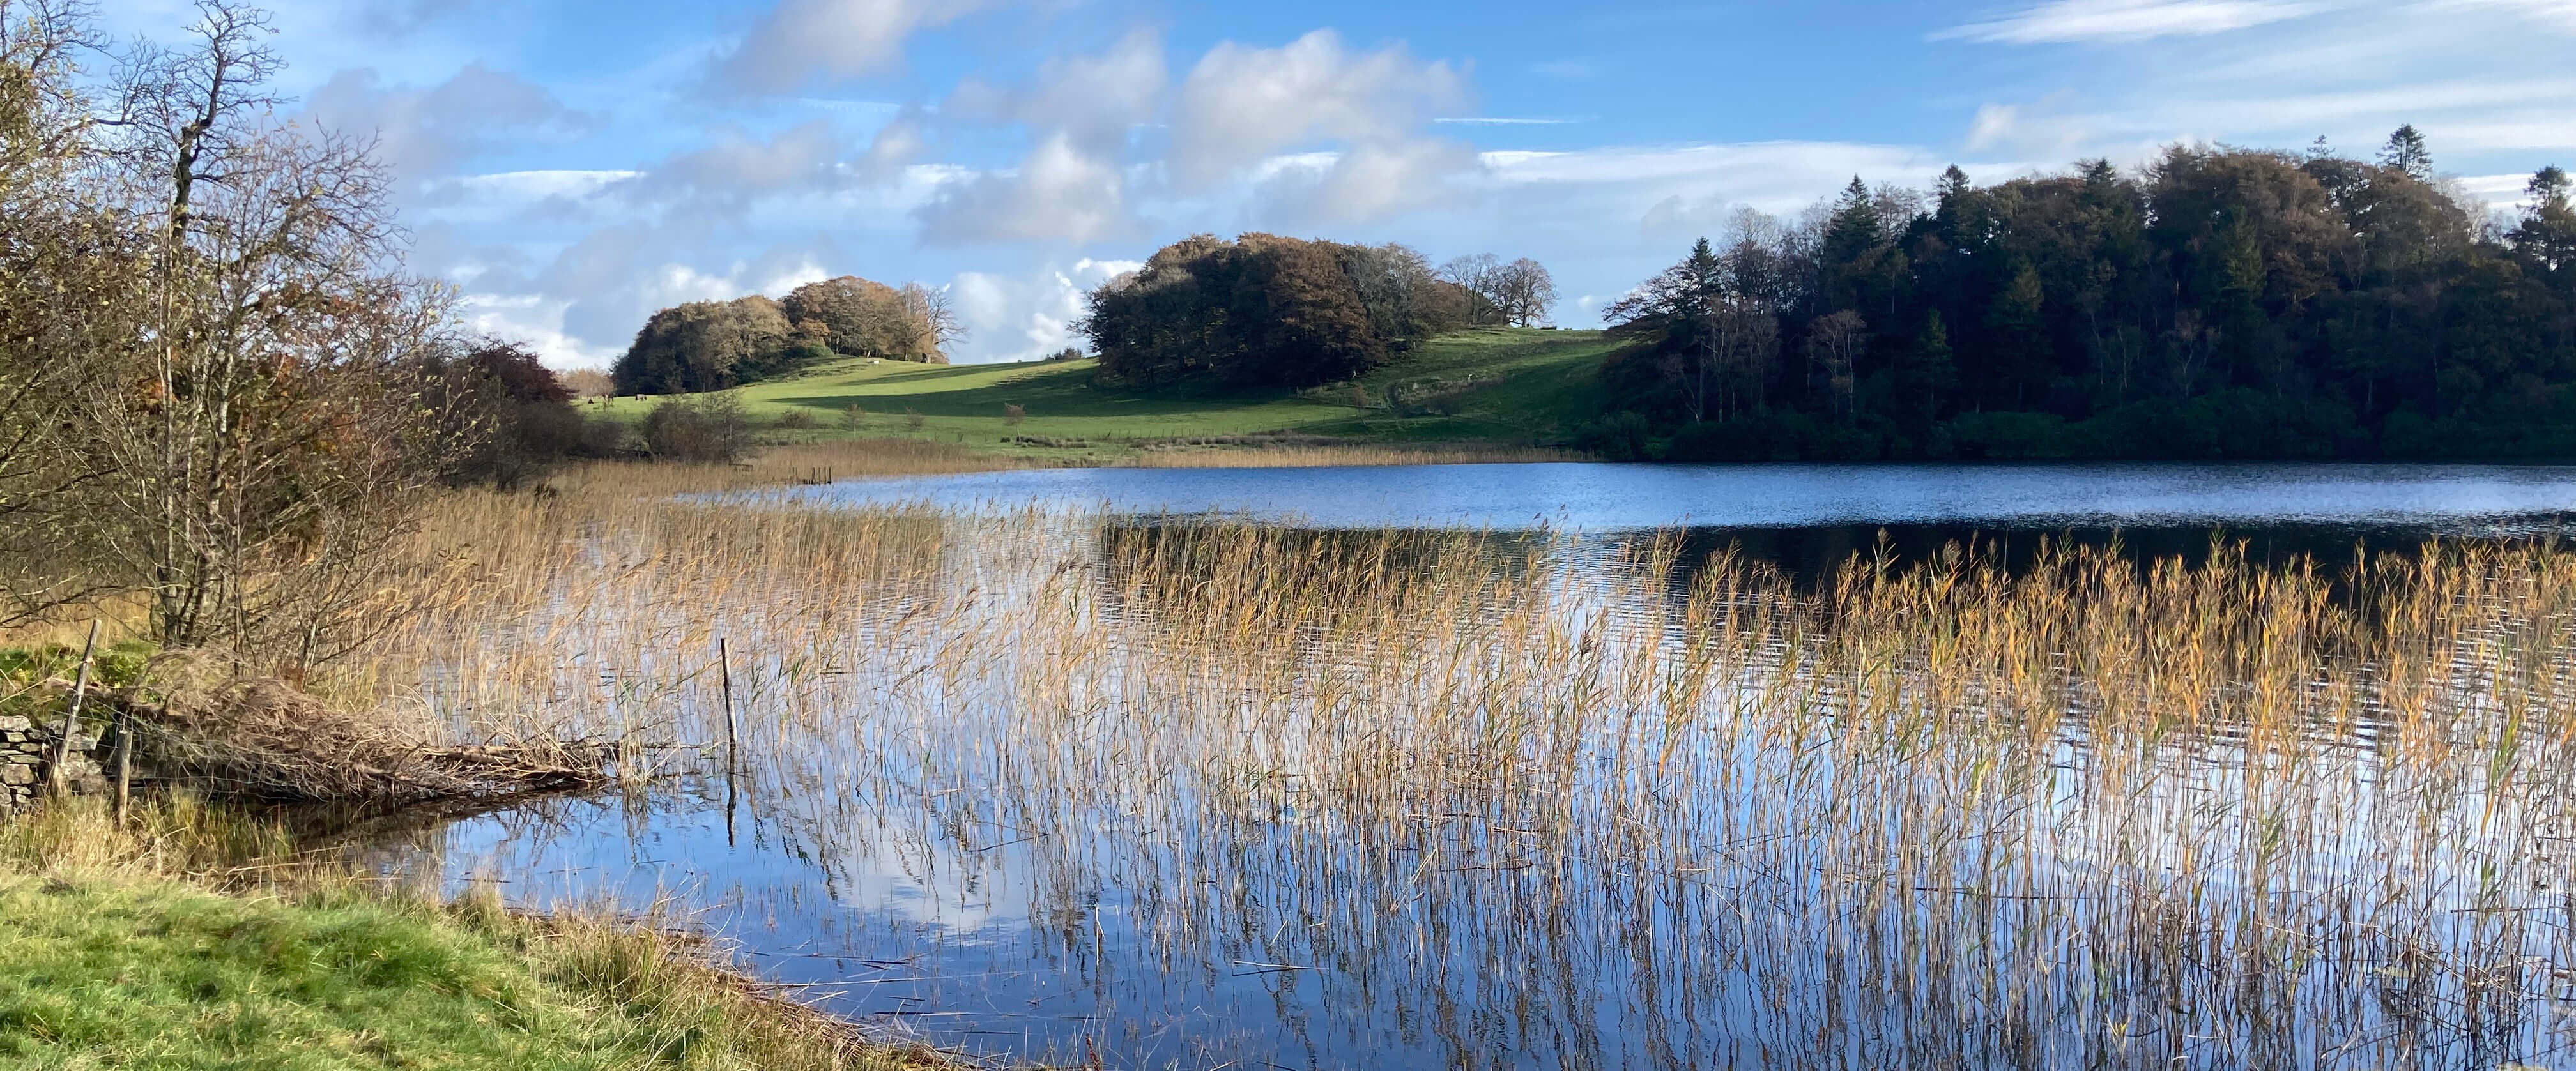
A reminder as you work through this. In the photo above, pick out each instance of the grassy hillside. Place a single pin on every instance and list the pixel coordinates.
(1494, 386)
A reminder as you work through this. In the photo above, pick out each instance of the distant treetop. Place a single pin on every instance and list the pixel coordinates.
(717, 345)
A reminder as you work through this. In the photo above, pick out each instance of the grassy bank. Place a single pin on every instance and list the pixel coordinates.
(1482, 393)
(181, 940)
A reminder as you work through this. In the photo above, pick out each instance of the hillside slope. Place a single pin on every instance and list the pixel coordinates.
(1500, 386)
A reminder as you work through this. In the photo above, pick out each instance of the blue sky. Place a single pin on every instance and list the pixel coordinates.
(572, 165)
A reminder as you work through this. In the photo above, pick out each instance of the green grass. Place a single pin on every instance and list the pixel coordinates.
(110, 957)
(160, 975)
(1510, 387)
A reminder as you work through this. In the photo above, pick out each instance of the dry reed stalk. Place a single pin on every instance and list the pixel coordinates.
(2084, 811)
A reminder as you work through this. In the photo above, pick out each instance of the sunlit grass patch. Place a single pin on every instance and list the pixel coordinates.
(181, 942)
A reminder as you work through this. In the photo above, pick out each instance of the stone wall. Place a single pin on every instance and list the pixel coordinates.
(27, 751)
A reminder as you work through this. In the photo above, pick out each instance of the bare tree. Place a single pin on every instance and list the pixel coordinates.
(937, 314)
(278, 441)
(1525, 293)
(1481, 277)
(1833, 347)
(1722, 365)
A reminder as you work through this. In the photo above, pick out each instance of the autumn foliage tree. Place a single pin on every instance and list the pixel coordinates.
(718, 345)
(1263, 310)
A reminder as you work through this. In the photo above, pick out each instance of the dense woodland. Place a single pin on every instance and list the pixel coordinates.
(2219, 303)
(718, 345)
(1267, 311)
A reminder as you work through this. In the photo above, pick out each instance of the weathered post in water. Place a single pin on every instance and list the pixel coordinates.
(733, 736)
(71, 716)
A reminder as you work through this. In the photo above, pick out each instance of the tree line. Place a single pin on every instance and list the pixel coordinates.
(718, 345)
(1263, 310)
(2219, 302)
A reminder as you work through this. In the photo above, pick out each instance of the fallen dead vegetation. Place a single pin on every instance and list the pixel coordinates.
(226, 734)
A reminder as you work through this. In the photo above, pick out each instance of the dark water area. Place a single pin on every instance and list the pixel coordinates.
(1811, 519)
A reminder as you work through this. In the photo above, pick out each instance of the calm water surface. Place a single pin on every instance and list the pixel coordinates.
(934, 894)
(1615, 498)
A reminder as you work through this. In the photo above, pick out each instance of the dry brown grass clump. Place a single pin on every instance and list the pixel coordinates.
(242, 736)
(1320, 456)
(780, 466)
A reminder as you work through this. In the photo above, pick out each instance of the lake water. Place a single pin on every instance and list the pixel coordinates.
(1622, 498)
(1028, 805)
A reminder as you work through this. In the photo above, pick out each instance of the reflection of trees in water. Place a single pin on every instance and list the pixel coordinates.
(1171, 569)
(1814, 553)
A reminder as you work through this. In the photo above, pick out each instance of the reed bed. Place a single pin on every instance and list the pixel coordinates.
(1288, 457)
(782, 465)
(1541, 800)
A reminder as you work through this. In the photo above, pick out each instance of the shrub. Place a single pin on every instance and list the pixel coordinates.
(796, 420)
(2011, 436)
(603, 436)
(1013, 414)
(507, 418)
(914, 421)
(1621, 436)
(587, 383)
(710, 429)
(854, 417)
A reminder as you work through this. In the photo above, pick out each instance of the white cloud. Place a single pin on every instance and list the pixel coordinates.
(2033, 132)
(2466, 117)
(1097, 98)
(1071, 186)
(737, 171)
(539, 185)
(1020, 318)
(2560, 14)
(2485, 80)
(1994, 123)
(2128, 20)
(2500, 192)
(396, 19)
(802, 43)
(1059, 193)
(1773, 175)
(1498, 120)
(427, 133)
(1243, 106)
(1372, 180)
(536, 322)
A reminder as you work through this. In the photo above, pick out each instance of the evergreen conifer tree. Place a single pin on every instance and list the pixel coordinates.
(2406, 152)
